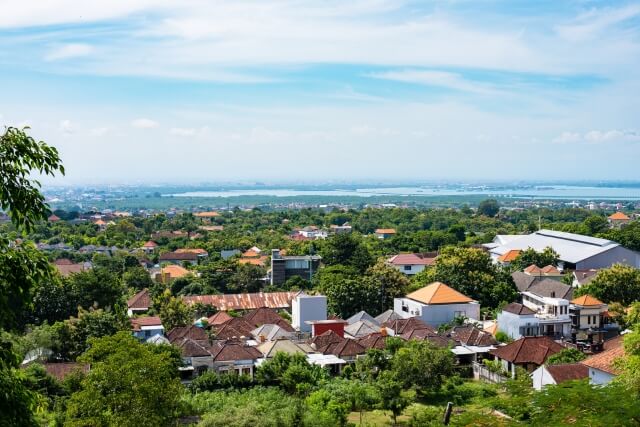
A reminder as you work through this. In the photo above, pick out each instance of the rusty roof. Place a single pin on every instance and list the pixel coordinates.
(141, 300)
(244, 301)
(568, 372)
(528, 350)
(61, 370)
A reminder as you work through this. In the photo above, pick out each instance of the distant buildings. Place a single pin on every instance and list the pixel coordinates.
(411, 264)
(284, 267)
(385, 233)
(618, 220)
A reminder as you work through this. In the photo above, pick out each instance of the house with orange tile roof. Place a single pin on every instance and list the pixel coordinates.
(436, 304)
(618, 220)
(168, 273)
(602, 366)
(208, 215)
(149, 247)
(385, 233)
(411, 264)
(590, 320)
(508, 257)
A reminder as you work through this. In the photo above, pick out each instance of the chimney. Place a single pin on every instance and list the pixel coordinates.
(275, 253)
(383, 331)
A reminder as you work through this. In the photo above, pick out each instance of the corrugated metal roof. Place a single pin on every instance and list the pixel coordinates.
(244, 301)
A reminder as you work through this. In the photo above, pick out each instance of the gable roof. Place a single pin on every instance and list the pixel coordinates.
(270, 348)
(206, 214)
(519, 309)
(586, 301)
(325, 338)
(605, 361)
(528, 350)
(191, 332)
(192, 348)
(401, 326)
(174, 271)
(233, 351)
(140, 301)
(438, 293)
(385, 231)
(263, 315)
(584, 276)
(567, 372)
(523, 280)
(346, 348)
(236, 327)
(470, 335)
(218, 318)
(150, 244)
(362, 315)
(361, 328)
(61, 369)
(413, 259)
(387, 316)
(138, 322)
(178, 256)
(66, 269)
(551, 289)
(509, 256)
(375, 340)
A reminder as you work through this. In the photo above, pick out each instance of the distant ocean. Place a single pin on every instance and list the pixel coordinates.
(564, 192)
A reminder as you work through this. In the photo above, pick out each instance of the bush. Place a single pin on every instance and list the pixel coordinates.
(210, 381)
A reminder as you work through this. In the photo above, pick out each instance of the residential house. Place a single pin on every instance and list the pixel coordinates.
(200, 253)
(576, 252)
(306, 308)
(387, 316)
(139, 303)
(206, 215)
(385, 233)
(362, 315)
(602, 366)
(270, 348)
(146, 327)
(375, 340)
(271, 332)
(508, 257)
(253, 256)
(436, 304)
(168, 273)
(338, 229)
(471, 344)
(411, 264)
(312, 232)
(226, 254)
(60, 370)
(53, 218)
(149, 247)
(557, 374)
(218, 318)
(618, 220)
(590, 320)
(179, 258)
(347, 350)
(361, 328)
(319, 327)
(582, 277)
(528, 353)
(285, 267)
(517, 321)
(66, 267)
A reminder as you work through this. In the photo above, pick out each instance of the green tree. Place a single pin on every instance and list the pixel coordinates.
(137, 278)
(346, 249)
(489, 207)
(392, 396)
(127, 385)
(22, 267)
(290, 372)
(619, 283)
(387, 282)
(530, 256)
(97, 286)
(595, 224)
(471, 272)
(568, 355)
(422, 365)
(173, 311)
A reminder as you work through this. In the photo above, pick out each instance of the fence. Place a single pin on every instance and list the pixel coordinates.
(481, 372)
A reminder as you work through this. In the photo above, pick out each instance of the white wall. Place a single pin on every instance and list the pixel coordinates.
(596, 376)
(413, 269)
(510, 323)
(435, 314)
(305, 308)
(541, 377)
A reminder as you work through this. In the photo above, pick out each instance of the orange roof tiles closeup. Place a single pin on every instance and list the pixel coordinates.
(586, 301)
(175, 271)
(619, 216)
(605, 361)
(509, 256)
(438, 293)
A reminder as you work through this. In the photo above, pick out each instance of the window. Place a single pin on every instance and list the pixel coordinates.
(407, 268)
(405, 308)
(459, 314)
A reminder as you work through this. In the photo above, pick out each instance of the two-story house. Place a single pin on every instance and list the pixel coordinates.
(411, 264)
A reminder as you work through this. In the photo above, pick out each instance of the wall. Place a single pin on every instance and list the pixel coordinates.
(308, 307)
(413, 269)
(599, 377)
(541, 378)
(436, 314)
(606, 259)
(510, 323)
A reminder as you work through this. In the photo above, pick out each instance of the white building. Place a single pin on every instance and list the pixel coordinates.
(552, 314)
(517, 321)
(601, 366)
(555, 374)
(576, 252)
(436, 304)
(305, 308)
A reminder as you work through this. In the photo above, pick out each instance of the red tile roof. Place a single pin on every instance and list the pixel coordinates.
(61, 370)
(218, 318)
(150, 244)
(413, 259)
(528, 350)
(587, 301)
(178, 256)
(141, 300)
(138, 322)
(517, 308)
(233, 351)
(605, 361)
(326, 338)
(192, 332)
(509, 256)
(619, 216)
(567, 372)
(346, 348)
(386, 231)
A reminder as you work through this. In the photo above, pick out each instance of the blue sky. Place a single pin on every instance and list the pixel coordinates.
(194, 90)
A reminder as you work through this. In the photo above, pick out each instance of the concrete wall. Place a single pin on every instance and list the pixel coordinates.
(599, 377)
(510, 323)
(307, 307)
(413, 269)
(606, 259)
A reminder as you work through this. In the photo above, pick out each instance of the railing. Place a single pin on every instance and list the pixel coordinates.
(481, 372)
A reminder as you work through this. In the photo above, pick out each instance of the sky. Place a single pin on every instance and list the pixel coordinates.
(190, 91)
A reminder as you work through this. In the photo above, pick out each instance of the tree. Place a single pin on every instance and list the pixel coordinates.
(421, 365)
(595, 224)
(127, 385)
(346, 249)
(137, 278)
(619, 283)
(393, 398)
(530, 256)
(172, 311)
(97, 286)
(568, 355)
(290, 372)
(387, 282)
(22, 267)
(471, 272)
(630, 363)
(489, 207)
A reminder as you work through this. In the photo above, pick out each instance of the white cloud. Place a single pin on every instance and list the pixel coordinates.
(598, 136)
(435, 78)
(593, 23)
(66, 127)
(144, 123)
(67, 51)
